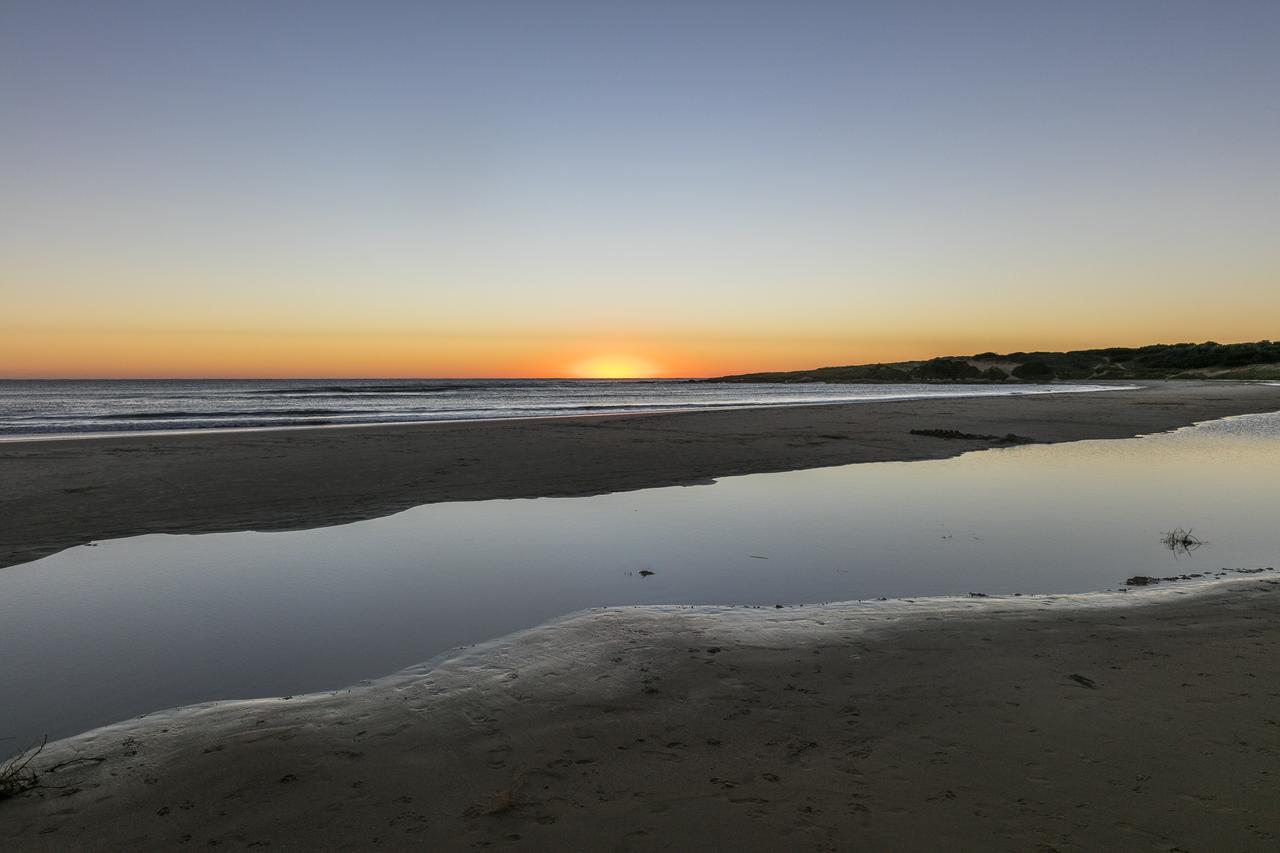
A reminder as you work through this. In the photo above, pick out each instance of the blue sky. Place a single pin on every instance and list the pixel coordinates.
(700, 184)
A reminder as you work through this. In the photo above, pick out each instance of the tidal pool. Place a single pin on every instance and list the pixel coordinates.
(101, 633)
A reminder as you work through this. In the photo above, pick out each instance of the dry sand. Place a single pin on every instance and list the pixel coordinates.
(57, 494)
(1140, 721)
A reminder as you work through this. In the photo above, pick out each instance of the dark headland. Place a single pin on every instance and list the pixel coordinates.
(1209, 360)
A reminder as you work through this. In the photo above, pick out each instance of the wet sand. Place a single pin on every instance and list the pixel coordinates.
(57, 494)
(1123, 721)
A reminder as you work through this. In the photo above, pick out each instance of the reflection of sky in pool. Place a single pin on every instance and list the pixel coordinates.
(96, 634)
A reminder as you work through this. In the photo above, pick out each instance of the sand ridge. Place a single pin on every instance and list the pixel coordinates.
(1142, 720)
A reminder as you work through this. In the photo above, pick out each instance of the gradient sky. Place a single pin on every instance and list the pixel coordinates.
(544, 188)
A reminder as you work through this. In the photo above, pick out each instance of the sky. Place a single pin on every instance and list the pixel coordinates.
(239, 189)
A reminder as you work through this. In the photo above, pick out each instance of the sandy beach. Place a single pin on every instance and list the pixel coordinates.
(1141, 720)
(1123, 721)
(58, 494)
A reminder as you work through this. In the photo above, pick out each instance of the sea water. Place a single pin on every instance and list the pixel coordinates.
(52, 408)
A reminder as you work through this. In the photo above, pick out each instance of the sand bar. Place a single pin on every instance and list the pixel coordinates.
(58, 494)
(1123, 721)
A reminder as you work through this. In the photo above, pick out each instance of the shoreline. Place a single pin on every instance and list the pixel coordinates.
(865, 615)
(1065, 388)
(59, 494)
(634, 728)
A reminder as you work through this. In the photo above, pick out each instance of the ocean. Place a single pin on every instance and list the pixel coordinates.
(54, 408)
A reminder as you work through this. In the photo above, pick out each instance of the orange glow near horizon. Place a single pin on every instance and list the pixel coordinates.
(215, 355)
(615, 367)
(203, 353)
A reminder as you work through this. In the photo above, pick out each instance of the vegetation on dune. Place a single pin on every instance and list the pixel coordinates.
(1158, 361)
(947, 369)
(1034, 371)
(1210, 360)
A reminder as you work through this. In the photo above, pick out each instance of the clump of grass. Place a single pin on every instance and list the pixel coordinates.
(1180, 541)
(16, 775)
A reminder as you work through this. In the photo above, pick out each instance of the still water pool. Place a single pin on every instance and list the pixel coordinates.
(97, 634)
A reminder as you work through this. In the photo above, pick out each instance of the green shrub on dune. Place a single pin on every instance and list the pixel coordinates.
(947, 370)
(1034, 371)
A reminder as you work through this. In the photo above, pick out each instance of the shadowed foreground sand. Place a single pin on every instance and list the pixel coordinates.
(57, 494)
(1125, 721)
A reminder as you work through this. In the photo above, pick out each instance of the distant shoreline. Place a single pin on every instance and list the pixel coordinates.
(1058, 388)
(59, 494)
(1254, 360)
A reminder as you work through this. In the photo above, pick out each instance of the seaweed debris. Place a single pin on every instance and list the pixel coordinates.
(955, 434)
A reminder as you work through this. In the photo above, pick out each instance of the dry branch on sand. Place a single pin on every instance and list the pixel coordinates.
(16, 775)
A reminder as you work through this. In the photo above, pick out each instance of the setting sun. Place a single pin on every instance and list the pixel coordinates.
(614, 367)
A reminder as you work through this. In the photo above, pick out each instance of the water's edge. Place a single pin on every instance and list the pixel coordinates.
(754, 625)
